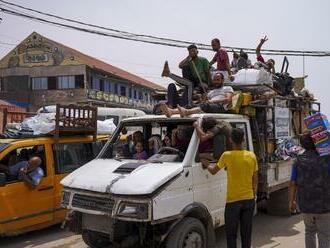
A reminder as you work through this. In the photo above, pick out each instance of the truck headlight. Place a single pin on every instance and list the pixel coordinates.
(133, 210)
(65, 199)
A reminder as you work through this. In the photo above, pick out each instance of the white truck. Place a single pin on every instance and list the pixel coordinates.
(168, 200)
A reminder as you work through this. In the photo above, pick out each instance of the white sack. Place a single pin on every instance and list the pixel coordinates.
(106, 126)
(252, 76)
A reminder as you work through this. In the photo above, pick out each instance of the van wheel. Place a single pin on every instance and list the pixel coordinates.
(277, 204)
(95, 240)
(189, 233)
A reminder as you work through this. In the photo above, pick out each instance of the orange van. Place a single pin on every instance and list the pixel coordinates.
(24, 209)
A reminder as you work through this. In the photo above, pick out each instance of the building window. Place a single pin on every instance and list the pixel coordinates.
(66, 82)
(79, 81)
(95, 83)
(52, 82)
(140, 95)
(130, 92)
(122, 90)
(2, 85)
(135, 95)
(107, 86)
(39, 83)
(116, 89)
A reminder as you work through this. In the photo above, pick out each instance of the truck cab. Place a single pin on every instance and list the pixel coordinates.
(168, 199)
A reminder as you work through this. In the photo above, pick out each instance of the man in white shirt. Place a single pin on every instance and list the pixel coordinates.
(218, 100)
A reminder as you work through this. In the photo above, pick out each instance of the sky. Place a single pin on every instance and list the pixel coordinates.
(289, 25)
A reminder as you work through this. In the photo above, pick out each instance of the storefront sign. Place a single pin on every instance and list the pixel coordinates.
(102, 96)
(282, 123)
(36, 58)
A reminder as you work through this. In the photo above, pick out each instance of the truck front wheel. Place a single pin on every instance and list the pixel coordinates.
(190, 232)
(95, 240)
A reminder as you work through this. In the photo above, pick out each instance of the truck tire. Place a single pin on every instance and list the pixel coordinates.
(277, 204)
(95, 240)
(189, 233)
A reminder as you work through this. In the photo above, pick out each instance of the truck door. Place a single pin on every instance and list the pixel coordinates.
(21, 207)
(210, 190)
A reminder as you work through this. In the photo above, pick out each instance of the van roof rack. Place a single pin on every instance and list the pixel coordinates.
(69, 120)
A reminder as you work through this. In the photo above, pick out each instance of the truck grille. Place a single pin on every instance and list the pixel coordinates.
(92, 203)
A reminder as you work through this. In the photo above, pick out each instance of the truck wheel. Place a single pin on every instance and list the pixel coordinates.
(277, 204)
(189, 233)
(95, 240)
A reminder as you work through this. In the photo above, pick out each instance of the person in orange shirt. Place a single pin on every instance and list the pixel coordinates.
(242, 180)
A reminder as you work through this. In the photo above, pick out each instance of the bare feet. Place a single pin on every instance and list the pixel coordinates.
(166, 70)
(166, 110)
(183, 112)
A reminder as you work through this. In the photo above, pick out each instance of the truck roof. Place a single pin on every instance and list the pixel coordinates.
(176, 117)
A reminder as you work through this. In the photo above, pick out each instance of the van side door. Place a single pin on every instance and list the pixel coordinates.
(24, 208)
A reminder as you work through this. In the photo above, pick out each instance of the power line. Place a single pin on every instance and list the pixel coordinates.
(7, 44)
(251, 50)
(145, 38)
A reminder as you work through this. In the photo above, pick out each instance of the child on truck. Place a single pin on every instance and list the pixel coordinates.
(140, 154)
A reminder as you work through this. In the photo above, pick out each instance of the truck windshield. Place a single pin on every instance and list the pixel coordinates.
(157, 141)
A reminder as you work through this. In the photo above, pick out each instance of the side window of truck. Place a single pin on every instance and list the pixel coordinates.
(70, 156)
(23, 154)
(242, 126)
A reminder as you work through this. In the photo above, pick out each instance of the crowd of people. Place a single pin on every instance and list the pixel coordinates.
(203, 84)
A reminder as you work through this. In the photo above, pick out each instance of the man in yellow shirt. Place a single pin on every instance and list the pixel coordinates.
(242, 181)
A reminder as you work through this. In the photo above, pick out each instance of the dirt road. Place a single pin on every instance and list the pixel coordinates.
(269, 231)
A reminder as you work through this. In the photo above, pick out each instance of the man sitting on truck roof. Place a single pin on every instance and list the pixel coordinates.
(28, 171)
(218, 100)
(196, 77)
(270, 64)
(242, 182)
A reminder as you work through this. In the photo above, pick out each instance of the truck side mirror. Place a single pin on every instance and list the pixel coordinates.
(2, 179)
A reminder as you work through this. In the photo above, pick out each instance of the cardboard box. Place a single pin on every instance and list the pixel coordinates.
(317, 123)
(322, 142)
(247, 98)
(249, 111)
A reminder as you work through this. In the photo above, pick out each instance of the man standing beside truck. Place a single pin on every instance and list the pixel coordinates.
(310, 183)
(242, 181)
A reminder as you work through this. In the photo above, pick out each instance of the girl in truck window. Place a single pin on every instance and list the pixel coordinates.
(140, 153)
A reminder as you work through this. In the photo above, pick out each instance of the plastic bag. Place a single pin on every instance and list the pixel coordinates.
(40, 124)
(106, 126)
(252, 76)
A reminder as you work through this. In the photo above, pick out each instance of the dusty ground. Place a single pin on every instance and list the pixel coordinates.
(269, 231)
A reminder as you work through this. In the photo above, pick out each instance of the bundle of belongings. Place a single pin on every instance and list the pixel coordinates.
(318, 125)
(44, 123)
(286, 149)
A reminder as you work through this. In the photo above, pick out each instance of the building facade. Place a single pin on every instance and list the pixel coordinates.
(41, 72)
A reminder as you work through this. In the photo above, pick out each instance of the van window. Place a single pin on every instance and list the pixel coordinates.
(70, 156)
(23, 154)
